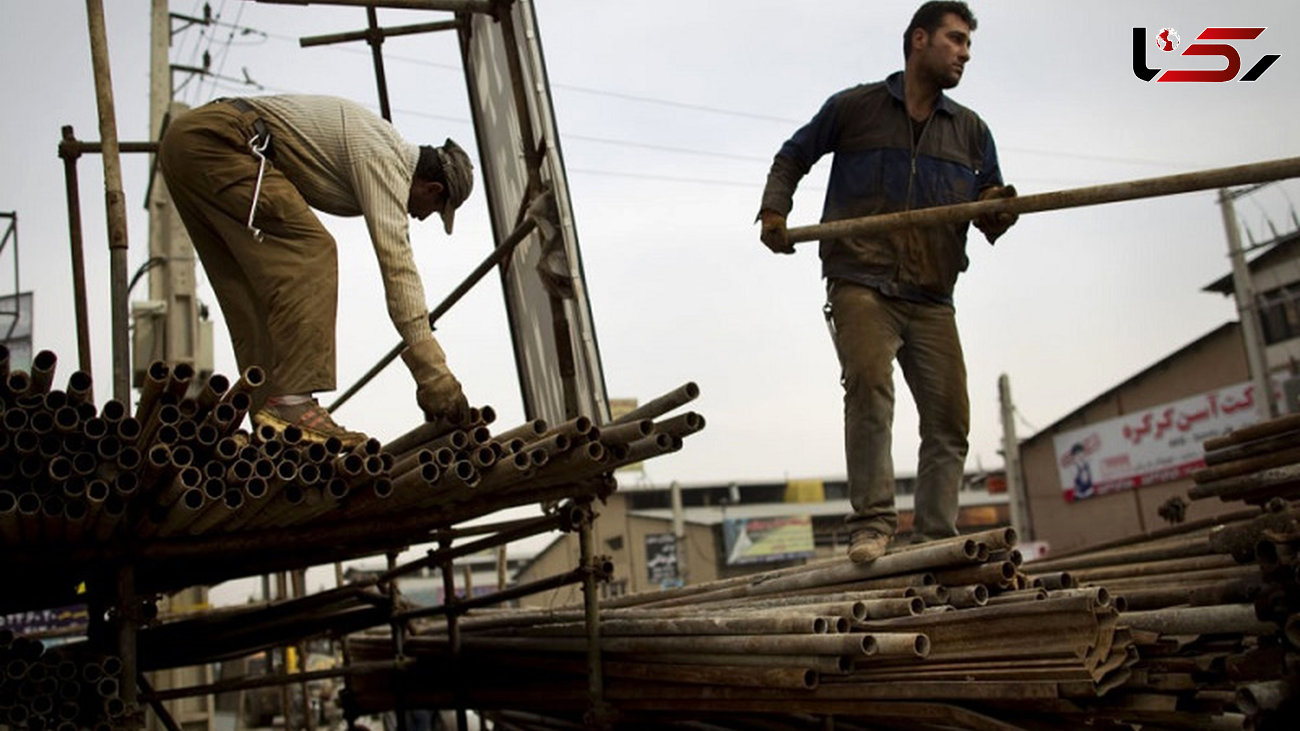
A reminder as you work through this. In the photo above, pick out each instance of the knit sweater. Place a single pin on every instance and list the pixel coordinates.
(348, 161)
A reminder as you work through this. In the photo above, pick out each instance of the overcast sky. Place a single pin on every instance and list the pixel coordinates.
(669, 113)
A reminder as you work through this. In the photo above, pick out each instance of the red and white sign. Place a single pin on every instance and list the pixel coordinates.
(1149, 447)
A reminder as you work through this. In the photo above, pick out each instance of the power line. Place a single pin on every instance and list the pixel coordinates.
(676, 105)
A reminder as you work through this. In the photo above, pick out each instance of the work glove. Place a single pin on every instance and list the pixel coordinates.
(993, 225)
(773, 234)
(436, 390)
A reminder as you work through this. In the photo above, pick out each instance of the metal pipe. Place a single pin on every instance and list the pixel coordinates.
(679, 396)
(1239, 487)
(682, 425)
(114, 199)
(499, 254)
(1264, 429)
(486, 7)
(1247, 465)
(1228, 618)
(1265, 445)
(391, 32)
(825, 664)
(729, 675)
(69, 153)
(1154, 568)
(806, 621)
(1095, 195)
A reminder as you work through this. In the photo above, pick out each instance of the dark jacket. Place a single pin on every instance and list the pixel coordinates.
(879, 169)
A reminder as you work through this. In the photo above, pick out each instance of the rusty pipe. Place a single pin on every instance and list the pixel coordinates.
(657, 407)
(1094, 195)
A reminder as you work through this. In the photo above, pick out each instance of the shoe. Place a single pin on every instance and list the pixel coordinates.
(315, 422)
(867, 546)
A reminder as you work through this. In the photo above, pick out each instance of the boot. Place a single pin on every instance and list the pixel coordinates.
(315, 422)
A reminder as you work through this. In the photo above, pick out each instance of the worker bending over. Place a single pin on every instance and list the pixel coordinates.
(245, 174)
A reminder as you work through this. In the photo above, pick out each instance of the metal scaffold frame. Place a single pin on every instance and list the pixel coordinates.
(116, 592)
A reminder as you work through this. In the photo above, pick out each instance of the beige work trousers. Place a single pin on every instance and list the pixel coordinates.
(870, 332)
(279, 295)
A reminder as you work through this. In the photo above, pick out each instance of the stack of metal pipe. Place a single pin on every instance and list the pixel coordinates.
(180, 466)
(1253, 464)
(57, 690)
(1188, 597)
(831, 638)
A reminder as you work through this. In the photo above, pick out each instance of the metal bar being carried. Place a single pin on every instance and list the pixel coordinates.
(1258, 172)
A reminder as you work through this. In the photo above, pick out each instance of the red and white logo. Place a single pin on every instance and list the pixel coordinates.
(1167, 39)
(1213, 42)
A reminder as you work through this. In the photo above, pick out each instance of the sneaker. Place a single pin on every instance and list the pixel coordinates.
(867, 546)
(315, 422)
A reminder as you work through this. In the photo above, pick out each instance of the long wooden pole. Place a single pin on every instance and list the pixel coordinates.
(1258, 172)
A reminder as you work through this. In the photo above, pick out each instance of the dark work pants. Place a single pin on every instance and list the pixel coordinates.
(870, 332)
(279, 295)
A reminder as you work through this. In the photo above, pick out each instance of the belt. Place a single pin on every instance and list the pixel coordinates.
(239, 103)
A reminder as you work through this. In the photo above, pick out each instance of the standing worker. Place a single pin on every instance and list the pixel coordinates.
(899, 144)
(243, 173)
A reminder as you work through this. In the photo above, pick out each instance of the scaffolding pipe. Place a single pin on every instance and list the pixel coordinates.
(498, 255)
(487, 7)
(1258, 172)
(364, 35)
(268, 681)
(69, 151)
(591, 606)
(375, 37)
(114, 201)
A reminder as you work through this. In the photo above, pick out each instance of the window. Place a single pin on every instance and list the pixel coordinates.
(1279, 313)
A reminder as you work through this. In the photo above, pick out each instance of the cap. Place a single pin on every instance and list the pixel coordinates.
(459, 173)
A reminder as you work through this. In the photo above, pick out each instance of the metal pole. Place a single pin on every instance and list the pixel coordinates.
(114, 200)
(498, 255)
(126, 643)
(268, 681)
(1072, 198)
(375, 37)
(299, 578)
(591, 602)
(532, 155)
(69, 153)
(456, 6)
(453, 627)
(164, 717)
(1020, 519)
(362, 35)
(1243, 290)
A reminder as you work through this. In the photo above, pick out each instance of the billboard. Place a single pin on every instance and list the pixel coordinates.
(661, 559)
(550, 318)
(767, 540)
(1160, 444)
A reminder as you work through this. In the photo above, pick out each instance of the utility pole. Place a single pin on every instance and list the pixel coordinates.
(167, 327)
(173, 307)
(1244, 292)
(1020, 519)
